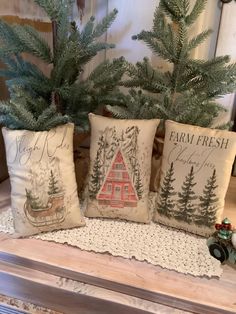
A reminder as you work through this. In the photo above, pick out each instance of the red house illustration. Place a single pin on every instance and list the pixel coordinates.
(117, 189)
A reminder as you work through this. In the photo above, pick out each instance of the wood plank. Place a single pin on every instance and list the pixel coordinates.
(134, 278)
(66, 296)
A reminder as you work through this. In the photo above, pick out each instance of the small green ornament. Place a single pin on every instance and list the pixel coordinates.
(226, 221)
(225, 230)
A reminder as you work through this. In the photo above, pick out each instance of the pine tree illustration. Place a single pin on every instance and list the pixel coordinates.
(185, 205)
(53, 187)
(95, 180)
(101, 159)
(112, 143)
(166, 204)
(208, 208)
(33, 200)
(138, 182)
(130, 146)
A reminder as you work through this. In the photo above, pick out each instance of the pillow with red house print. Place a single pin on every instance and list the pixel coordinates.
(195, 173)
(120, 154)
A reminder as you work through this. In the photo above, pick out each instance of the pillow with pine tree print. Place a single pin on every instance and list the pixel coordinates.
(120, 168)
(43, 186)
(195, 173)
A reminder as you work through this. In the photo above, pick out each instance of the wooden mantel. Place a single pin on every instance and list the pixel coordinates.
(38, 271)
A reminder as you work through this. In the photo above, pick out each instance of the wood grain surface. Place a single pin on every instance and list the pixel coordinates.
(70, 296)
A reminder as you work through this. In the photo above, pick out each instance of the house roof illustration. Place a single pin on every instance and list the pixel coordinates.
(118, 165)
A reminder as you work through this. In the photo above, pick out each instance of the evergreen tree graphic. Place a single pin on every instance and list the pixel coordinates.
(33, 200)
(130, 148)
(185, 205)
(96, 176)
(138, 182)
(53, 187)
(208, 208)
(166, 204)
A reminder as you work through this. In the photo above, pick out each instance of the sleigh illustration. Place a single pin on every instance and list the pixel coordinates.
(54, 213)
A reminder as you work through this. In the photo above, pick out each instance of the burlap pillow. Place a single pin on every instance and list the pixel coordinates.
(43, 187)
(120, 155)
(195, 174)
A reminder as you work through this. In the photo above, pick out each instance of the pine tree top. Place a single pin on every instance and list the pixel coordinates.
(187, 92)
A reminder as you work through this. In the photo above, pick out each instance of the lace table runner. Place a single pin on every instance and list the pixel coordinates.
(159, 245)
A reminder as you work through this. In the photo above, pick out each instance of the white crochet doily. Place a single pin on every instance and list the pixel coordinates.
(159, 245)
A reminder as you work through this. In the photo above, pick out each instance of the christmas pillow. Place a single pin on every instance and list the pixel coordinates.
(43, 187)
(120, 155)
(195, 174)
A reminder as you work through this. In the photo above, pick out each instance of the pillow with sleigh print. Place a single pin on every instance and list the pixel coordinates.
(43, 187)
(195, 174)
(120, 168)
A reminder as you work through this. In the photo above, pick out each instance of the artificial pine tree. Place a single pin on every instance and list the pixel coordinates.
(185, 206)
(166, 203)
(188, 91)
(207, 206)
(72, 50)
(53, 187)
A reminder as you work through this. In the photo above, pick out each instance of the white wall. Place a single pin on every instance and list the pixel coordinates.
(133, 17)
(136, 15)
(209, 19)
(97, 8)
(227, 46)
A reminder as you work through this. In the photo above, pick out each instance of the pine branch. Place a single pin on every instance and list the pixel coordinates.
(103, 26)
(87, 33)
(11, 122)
(10, 42)
(120, 112)
(108, 73)
(46, 114)
(22, 114)
(196, 11)
(53, 8)
(67, 58)
(33, 42)
(156, 46)
(173, 9)
(55, 121)
(25, 74)
(200, 38)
